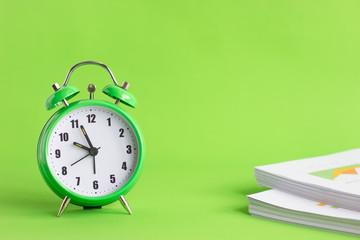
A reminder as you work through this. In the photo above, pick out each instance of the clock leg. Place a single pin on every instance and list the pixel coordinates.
(125, 204)
(63, 206)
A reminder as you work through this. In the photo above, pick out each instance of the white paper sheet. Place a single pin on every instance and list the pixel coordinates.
(339, 172)
(290, 202)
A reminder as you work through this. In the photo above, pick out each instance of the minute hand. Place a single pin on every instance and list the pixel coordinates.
(86, 136)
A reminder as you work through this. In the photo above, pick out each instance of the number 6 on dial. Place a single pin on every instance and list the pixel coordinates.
(91, 152)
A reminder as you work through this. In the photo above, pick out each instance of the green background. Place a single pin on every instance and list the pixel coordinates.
(222, 86)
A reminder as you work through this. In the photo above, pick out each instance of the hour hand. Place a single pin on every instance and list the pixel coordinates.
(81, 146)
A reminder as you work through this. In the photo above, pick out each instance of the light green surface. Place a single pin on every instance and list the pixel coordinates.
(222, 86)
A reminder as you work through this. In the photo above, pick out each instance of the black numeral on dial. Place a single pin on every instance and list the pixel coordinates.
(128, 147)
(64, 137)
(121, 130)
(57, 153)
(95, 184)
(77, 181)
(124, 166)
(112, 178)
(64, 170)
(109, 121)
(91, 118)
(75, 123)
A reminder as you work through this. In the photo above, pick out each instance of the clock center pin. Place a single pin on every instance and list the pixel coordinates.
(93, 151)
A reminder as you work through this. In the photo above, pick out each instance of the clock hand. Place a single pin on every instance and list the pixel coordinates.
(85, 157)
(94, 164)
(94, 154)
(81, 146)
(86, 136)
(79, 160)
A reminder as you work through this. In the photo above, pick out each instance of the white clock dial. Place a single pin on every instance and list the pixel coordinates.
(110, 163)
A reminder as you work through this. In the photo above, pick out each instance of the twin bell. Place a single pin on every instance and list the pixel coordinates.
(66, 92)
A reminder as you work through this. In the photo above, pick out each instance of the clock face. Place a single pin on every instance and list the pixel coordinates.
(93, 151)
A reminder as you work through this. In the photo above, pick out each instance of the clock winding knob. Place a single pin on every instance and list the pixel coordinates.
(91, 89)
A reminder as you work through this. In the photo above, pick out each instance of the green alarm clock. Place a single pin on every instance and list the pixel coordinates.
(91, 152)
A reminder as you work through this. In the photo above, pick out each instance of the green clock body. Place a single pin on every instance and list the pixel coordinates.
(100, 176)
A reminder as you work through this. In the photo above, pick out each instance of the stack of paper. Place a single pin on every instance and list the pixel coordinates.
(332, 179)
(307, 191)
(281, 206)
